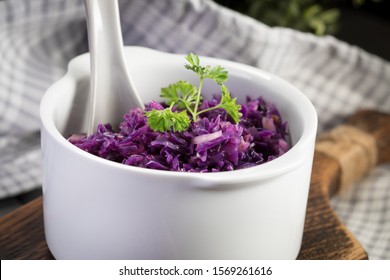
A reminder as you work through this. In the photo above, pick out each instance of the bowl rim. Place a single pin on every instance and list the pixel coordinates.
(283, 164)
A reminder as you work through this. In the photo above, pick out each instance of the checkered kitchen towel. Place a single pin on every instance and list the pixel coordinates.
(39, 37)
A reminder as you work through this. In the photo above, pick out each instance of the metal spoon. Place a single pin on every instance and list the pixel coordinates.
(111, 89)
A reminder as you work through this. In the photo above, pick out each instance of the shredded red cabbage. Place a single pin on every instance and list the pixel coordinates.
(213, 143)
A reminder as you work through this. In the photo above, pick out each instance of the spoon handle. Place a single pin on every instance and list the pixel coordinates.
(111, 89)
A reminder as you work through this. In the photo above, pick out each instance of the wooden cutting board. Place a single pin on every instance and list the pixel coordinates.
(342, 157)
(339, 159)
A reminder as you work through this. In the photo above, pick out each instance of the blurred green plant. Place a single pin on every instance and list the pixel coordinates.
(305, 15)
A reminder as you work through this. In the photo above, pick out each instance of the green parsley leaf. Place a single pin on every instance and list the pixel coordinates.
(218, 74)
(181, 93)
(230, 104)
(187, 97)
(193, 59)
(165, 120)
(170, 93)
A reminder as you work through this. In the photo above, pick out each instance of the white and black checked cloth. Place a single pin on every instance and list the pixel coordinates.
(39, 37)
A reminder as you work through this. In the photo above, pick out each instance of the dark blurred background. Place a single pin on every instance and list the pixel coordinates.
(364, 23)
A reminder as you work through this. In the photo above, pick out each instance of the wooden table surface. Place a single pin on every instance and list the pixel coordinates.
(22, 233)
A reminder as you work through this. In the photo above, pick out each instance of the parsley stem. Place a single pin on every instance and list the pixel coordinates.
(209, 109)
(195, 113)
(190, 110)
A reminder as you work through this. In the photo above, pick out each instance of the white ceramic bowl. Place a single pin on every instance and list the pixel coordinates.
(98, 209)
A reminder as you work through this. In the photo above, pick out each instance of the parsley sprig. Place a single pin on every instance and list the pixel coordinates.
(186, 97)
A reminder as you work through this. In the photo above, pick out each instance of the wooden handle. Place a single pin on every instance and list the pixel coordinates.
(378, 125)
(347, 150)
(351, 150)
